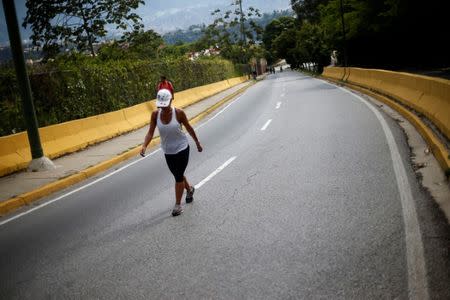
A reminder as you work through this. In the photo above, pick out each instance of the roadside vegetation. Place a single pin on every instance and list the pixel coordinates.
(80, 77)
(390, 34)
(81, 74)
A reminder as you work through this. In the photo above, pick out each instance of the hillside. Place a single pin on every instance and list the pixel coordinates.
(164, 16)
(194, 32)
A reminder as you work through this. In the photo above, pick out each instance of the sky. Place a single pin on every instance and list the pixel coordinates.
(162, 15)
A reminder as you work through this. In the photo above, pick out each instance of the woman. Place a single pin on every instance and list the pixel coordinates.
(174, 144)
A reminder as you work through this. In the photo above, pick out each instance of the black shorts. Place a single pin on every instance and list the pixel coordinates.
(177, 163)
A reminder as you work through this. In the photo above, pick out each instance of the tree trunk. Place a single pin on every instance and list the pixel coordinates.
(86, 28)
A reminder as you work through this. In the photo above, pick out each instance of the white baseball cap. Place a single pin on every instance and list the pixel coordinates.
(163, 98)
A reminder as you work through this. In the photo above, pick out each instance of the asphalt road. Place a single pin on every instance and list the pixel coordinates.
(300, 195)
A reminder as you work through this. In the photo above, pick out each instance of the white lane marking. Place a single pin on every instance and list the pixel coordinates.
(218, 113)
(217, 171)
(278, 105)
(282, 95)
(104, 177)
(266, 125)
(78, 189)
(417, 281)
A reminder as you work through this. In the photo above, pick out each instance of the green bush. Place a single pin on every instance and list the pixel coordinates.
(75, 88)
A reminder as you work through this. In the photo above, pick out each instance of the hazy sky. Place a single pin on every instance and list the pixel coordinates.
(164, 15)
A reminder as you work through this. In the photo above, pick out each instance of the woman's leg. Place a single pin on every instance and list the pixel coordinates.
(187, 186)
(177, 164)
(179, 189)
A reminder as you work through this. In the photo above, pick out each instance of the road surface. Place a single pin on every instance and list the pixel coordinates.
(304, 191)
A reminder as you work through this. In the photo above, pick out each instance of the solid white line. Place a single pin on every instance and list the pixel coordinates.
(77, 189)
(278, 105)
(417, 281)
(266, 125)
(218, 113)
(217, 171)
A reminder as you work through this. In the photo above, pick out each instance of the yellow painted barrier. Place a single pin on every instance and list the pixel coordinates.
(13, 154)
(139, 114)
(68, 137)
(335, 73)
(429, 96)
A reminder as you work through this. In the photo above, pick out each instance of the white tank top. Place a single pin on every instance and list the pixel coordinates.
(173, 139)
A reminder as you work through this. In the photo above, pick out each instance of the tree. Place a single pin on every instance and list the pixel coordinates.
(77, 22)
(175, 51)
(391, 34)
(311, 46)
(144, 44)
(307, 10)
(272, 31)
(234, 26)
(284, 44)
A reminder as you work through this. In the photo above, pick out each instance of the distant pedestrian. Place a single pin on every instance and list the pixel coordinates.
(164, 83)
(174, 144)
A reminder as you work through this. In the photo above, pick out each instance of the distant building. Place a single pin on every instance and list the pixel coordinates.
(259, 66)
(212, 51)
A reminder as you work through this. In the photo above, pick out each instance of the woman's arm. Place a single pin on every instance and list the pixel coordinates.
(151, 131)
(184, 120)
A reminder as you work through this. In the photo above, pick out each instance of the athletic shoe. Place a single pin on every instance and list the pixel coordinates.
(177, 210)
(190, 195)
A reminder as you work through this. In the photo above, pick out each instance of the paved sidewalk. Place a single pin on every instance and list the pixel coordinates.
(23, 182)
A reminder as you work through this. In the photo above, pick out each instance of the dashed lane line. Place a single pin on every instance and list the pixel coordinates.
(266, 125)
(106, 176)
(217, 171)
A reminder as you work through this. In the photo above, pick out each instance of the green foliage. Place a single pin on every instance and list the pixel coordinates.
(144, 44)
(76, 86)
(272, 31)
(233, 27)
(65, 23)
(10, 104)
(174, 51)
(388, 34)
(310, 46)
(113, 51)
(307, 10)
(195, 32)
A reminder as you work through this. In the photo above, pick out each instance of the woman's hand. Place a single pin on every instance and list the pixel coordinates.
(199, 147)
(143, 151)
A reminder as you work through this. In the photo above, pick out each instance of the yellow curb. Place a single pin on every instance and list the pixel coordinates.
(29, 197)
(437, 147)
(11, 204)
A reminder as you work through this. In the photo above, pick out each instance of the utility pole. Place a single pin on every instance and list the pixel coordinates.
(244, 39)
(343, 34)
(39, 161)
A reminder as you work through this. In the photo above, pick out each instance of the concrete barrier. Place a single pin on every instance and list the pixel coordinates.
(68, 137)
(335, 73)
(429, 96)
